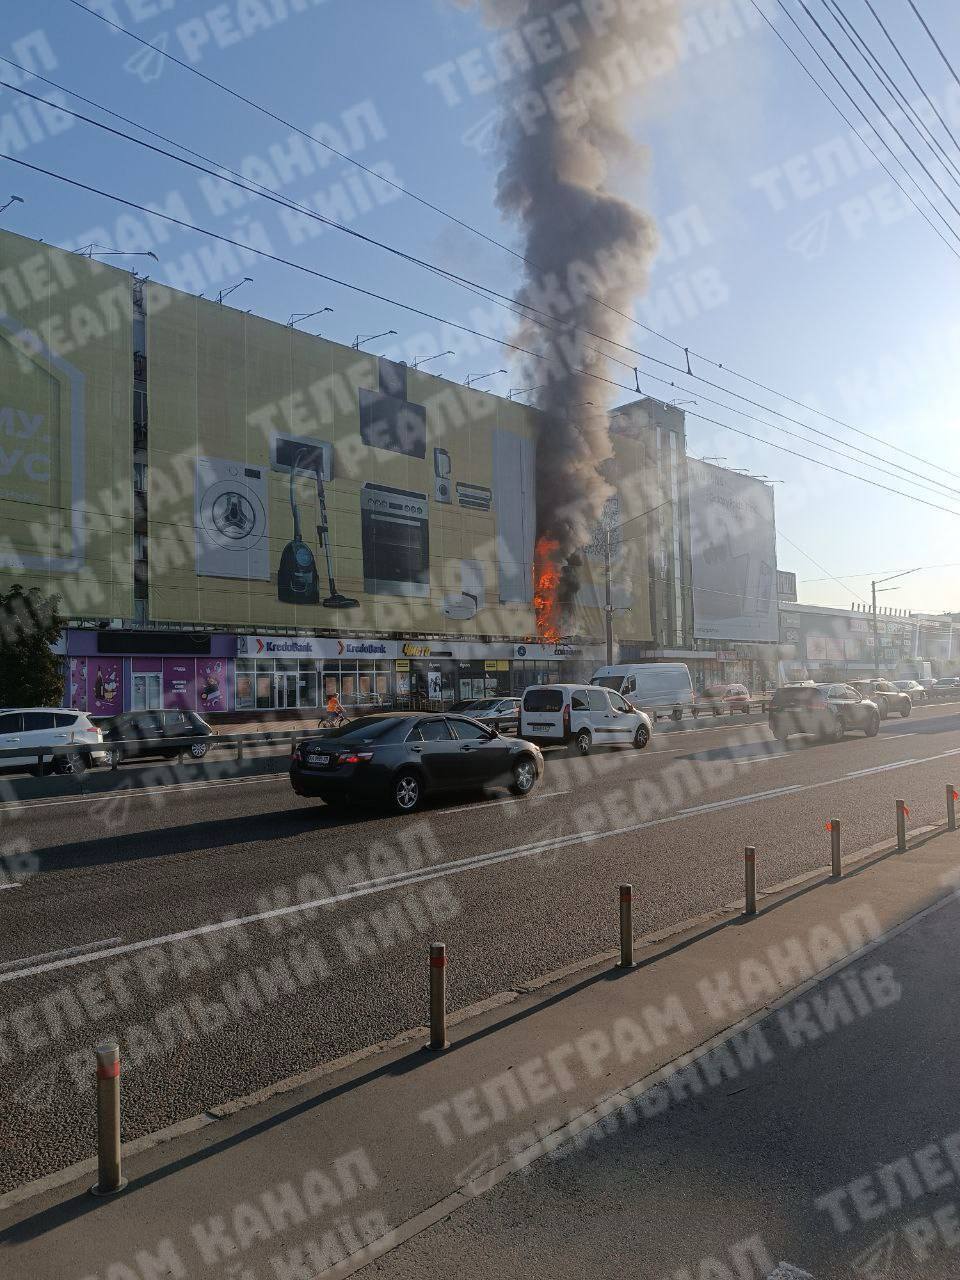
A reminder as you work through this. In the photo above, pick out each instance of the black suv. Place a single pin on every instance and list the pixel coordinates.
(826, 710)
(886, 695)
(131, 733)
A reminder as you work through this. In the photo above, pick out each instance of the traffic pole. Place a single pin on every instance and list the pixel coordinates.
(438, 995)
(952, 798)
(626, 926)
(750, 880)
(833, 826)
(902, 814)
(110, 1178)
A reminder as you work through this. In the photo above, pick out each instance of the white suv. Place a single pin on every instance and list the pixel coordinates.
(73, 733)
(584, 715)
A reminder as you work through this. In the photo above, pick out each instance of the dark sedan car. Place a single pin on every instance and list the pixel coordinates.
(400, 758)
(134, 733)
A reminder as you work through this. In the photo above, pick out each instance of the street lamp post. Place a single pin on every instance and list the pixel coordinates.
(873, 599)
(371, 337)
(426, 359)
(479, 377)
(298, 317)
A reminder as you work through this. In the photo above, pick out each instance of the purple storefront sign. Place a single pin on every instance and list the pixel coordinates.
(104, 686)
(180, 683)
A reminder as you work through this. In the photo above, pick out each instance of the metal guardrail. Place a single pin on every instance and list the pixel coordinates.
(130, 749)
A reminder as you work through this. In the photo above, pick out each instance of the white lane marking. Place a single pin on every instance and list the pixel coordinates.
(364, 888)
(17, 884)
(895, 737)
(488, 804)
(123, 792)
(781, 755)
(883, 768)
(64, 952)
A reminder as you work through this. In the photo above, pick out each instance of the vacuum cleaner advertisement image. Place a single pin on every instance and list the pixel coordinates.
(297, 482)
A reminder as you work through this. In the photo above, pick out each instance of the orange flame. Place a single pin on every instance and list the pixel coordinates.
(546, 579)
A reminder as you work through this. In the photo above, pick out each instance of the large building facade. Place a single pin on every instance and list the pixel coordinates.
(243, 518)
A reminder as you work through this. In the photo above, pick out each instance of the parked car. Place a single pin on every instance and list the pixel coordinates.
(913, 689)
(78, 741)
(824, 710)
(886, 695)
(129, 734)
(399, 758)
(585, 717)
(499, 713)
(945, 684)
(717, 698)
(657, 688)
(462, 706)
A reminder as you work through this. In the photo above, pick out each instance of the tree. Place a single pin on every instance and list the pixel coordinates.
(30, 673)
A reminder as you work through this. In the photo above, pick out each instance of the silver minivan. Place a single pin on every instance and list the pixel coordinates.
(659, 688)
(582, 715)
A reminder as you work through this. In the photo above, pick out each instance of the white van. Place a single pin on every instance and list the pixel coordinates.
(585, 716)
(659, 688)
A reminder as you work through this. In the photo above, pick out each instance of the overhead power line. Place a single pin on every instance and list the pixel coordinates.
(896, 49)
(462, 223)
(405, 306)
(892, 89)
(530, 313)
(935, 42)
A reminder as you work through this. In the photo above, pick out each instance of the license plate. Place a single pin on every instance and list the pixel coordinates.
(313, 758)
(541, 727)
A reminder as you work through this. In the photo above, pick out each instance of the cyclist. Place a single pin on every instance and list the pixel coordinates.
(335, 714)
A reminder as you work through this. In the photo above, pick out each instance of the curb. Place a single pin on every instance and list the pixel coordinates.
(192, 1124)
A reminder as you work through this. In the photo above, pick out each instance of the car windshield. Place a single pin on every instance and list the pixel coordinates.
(485, 704)
(608, 682)
(366, 729)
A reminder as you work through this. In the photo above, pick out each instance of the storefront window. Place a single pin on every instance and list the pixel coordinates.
(245, 684)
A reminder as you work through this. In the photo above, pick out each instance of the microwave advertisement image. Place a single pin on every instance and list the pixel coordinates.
(295, 482)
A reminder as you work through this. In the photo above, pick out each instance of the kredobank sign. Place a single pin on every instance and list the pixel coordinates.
(313, 647)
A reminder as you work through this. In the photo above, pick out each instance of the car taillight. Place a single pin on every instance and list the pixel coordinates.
(295, 753)
(357, 757)
(566, 717)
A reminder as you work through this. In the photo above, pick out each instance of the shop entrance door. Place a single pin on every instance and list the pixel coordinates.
(147, 691)
(286, 690)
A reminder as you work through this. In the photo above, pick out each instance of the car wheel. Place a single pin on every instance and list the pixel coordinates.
(112, 758)
(407, 791)
(884, 709)
(695, 713)
(905, 711)
(198, 750)
(71, 763)
(641, 737)
(583, 742)
(873, 728)
(676, 713)
(524, 777)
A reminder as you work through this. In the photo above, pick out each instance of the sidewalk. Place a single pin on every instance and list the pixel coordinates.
(396, 1140)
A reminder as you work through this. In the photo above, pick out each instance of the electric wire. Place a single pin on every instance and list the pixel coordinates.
(263, 253)
(406, 191)
(536, 316)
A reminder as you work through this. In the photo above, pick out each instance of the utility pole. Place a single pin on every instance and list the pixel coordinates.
(876, 640)
(608, 606)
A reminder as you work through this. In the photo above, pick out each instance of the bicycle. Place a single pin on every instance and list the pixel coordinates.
(333, 720)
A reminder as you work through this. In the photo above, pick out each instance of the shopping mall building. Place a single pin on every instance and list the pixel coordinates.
(242, 518)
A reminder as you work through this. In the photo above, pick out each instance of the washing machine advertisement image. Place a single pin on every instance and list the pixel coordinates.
(328, 487)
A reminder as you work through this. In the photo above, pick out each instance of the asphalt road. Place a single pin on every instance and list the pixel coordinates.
(120, 912)
(838, 1160)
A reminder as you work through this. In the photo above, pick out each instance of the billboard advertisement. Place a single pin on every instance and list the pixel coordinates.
(293, 482)
(66, 396)
(733, 555)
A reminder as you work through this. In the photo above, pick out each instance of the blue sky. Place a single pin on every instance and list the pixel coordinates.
(810, 278)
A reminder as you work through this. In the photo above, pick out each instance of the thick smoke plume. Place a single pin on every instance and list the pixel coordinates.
(563, 139)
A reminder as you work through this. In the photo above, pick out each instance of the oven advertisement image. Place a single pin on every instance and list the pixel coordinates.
(378, 506)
